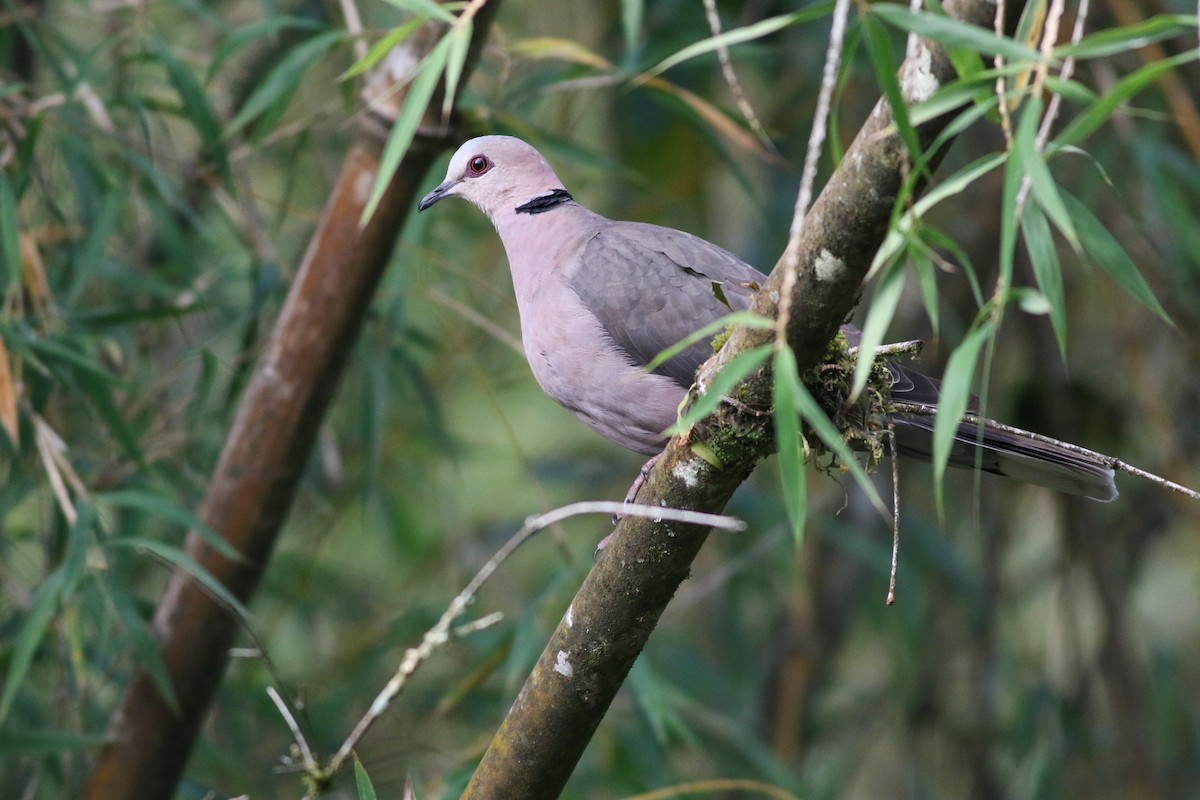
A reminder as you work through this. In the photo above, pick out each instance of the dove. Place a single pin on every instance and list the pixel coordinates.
(598, 299)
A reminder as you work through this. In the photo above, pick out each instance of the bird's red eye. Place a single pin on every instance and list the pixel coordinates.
(478, 165)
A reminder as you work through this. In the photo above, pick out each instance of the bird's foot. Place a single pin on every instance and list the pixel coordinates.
(630, 496)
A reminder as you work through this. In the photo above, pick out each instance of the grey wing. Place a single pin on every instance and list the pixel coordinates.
(650, 287)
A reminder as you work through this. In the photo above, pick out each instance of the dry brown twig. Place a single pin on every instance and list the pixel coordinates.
(444, 631)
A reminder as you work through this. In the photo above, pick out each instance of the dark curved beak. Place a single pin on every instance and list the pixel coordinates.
(435, 195)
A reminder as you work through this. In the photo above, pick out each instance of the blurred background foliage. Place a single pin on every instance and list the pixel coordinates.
(163, 165)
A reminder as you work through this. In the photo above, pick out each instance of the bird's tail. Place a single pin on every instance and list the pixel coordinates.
(1012, 453)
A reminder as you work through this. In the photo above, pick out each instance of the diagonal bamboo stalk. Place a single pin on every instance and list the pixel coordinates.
(254, 481)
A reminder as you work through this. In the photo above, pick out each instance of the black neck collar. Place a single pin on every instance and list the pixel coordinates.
(545, 202)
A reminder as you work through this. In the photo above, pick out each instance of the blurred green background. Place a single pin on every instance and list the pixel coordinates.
(1040, 646)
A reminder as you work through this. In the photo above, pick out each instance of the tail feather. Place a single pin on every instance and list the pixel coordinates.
(1014, 456)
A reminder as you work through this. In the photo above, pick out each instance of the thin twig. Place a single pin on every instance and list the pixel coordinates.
(310, 763)
(1068, 69)
(891, 440)
(354, 27)
(909, 347)
(1049, 41)
(816, 137)
(1106, 460)
(1001, 81)
(443, 631)
(731, 79)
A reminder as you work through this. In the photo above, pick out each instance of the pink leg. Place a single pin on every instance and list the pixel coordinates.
(630, 496)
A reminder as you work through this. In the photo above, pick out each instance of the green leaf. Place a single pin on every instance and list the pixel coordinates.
(879, 317)
(420, 91)
(927, 282)
(426, 9)
(46, 601)
(1122, 92)
(1111, 41)
(145, 647)
(99, 394)
(88, 258)
(954, 33)
(178, 558)
(807, 409)
(632, 14)
(456, 59)
(46, 742)
(240, 38)
(195, 106)
(738, 36)
(41, 612)
(883, 60)
(10, 239)
(955, 395)
(788, 441)
(737, 369)
(963, 179)
(159, 506)
(1041, 182)
(282, 81)
(940, 242)
(1043, 256)
(362, 781)
(64, 352)
(1107, 253)
(559, 49)
(382, 47)
(1014, 174)
(745, 319)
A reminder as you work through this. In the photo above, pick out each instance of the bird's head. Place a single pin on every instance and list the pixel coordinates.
(497, 173)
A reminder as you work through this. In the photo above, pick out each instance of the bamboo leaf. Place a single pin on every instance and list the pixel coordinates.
(33, 628)
(735, 318)
(240, 38)
(954, 33)
(1107, 253)
(1111, 41)
(420, 92)
(382, 47)
(883, 60)
(879, 317)
(362, 781)
(159, 506)
(632, 14)
(1034, 165)
(10, 237)
(426, 9)
(562, 50)
(45, 603)
(1116, 96)
(788, 442)
(738, 36)
(284, 78)
(456, 59)
(46, 742)
(1043, 257)
(195, 106)
(88, 259)
(144, 645)
(955, 395)
(178, 558)
(733, 373)
(812, 413)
